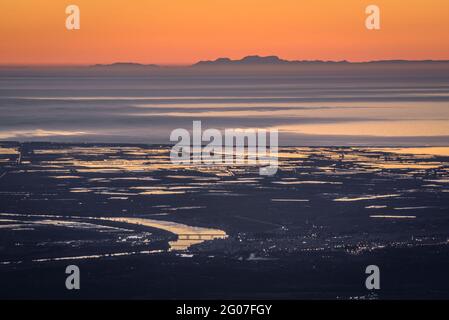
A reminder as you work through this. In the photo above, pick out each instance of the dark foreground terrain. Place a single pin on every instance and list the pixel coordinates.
(139, 227)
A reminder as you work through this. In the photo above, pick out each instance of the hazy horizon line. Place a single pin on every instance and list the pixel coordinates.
(175, 65)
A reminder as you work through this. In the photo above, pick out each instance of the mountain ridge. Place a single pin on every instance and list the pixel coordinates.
(275, 60)
(124, 64)
(272, 60)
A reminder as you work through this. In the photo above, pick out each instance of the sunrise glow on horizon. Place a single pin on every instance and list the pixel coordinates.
(184, 32)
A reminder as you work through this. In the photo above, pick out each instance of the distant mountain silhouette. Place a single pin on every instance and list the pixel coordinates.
(274, 60)
(256, 60)
(259, 60)
(125, 65)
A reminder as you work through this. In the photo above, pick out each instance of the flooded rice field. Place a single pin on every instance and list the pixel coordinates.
(125, 214)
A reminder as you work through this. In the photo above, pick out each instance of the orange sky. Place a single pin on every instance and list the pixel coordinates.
(185, 31)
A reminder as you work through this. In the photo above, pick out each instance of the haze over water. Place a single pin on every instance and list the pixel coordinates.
(388, 104)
